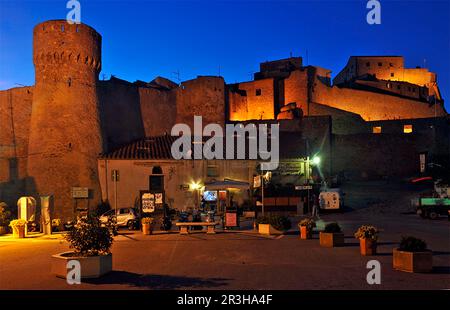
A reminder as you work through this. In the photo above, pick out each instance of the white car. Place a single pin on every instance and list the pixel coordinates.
(125, 217)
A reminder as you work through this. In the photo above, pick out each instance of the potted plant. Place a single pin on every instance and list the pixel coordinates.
(5, 217)
(412, 256)
(147, 227)
(273, 225)
(306, 226)
(18, 228)
(56, 223)
(332, 236)
(91, 242)
(368, 236)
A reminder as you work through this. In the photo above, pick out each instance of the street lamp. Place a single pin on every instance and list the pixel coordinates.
(316, 160)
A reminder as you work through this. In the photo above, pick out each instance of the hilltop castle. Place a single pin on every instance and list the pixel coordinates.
(52, 134)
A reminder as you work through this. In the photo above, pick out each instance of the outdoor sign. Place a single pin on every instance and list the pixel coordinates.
(158, 198)
(80, 192)
(303, 187)
(231, 219)
(148, 203)
(422, 158)
(257, 181)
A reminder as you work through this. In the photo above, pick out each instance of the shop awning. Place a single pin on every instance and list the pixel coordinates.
(226, 184)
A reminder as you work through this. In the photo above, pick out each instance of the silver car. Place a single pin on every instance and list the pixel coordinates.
(125, 217)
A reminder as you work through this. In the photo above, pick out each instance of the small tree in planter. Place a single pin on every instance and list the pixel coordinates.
(147, 225)
(18, 228)
(368, 236)
(91, 242)
(306, 226)
(412, 256)
(5, 217)
(332, 236)
(273, 224)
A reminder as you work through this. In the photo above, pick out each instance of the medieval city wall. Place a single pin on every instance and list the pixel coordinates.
(372, 106)
(15, 114)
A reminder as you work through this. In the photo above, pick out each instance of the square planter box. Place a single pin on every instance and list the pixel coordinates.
(267, 229)
(91, 266)
(413, 261)
(330, 240)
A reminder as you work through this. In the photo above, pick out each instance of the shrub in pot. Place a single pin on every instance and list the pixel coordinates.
(18, 228)
(412, 256)
(91, 242)
(332, 236)
(273, 224)
(306, 226)
(147, 225)
(368, 236)
(5, 216)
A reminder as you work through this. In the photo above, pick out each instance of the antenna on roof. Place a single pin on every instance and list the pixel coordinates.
(176, 75)
(251, 74)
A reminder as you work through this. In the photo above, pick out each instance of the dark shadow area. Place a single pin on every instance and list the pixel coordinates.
(441, 270)
(386, 243)
(292, 233)
(384, 254)
(440, 253)
(350, 244)
(159, 282)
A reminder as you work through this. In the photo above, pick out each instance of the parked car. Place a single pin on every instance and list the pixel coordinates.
(125, 217)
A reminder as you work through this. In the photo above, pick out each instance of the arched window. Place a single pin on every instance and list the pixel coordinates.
(157, 170)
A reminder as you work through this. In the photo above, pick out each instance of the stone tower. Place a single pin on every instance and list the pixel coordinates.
(65, 130)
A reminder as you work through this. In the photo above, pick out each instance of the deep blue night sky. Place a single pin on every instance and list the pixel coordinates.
(144, 39)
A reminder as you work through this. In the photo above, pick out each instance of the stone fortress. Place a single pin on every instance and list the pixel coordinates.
(52, 133)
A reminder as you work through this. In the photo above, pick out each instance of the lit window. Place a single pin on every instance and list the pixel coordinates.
(388, 85)
(407, 128)
(376, 129)
(258, 92)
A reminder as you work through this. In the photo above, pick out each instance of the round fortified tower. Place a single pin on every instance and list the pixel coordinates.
(65, 130)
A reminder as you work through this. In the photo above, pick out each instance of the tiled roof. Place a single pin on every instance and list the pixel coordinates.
(292, 145)
(148, 148)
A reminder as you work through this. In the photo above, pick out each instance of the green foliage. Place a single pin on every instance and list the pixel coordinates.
(332, 228)
(89, 237)
(19, 222)
(367, 232)
(102, 208)
(308, 223)
(412, 244)
(5, 214)
(278, 222)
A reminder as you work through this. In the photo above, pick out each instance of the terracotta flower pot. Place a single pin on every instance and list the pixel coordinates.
(18, 231)
(368, 246)
(147, 228)
(330, 240)
(412, 261)
(305, 233)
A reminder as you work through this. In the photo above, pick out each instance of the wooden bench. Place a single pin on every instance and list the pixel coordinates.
(184, 226)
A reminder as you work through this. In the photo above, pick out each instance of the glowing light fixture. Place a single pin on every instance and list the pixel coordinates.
(316, 160)
(195, 185)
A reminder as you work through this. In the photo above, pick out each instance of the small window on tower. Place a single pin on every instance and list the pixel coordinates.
(392, 74)
(376, 129)
(258, 92)
(407, 128)
(368, 64)
(380, 64)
